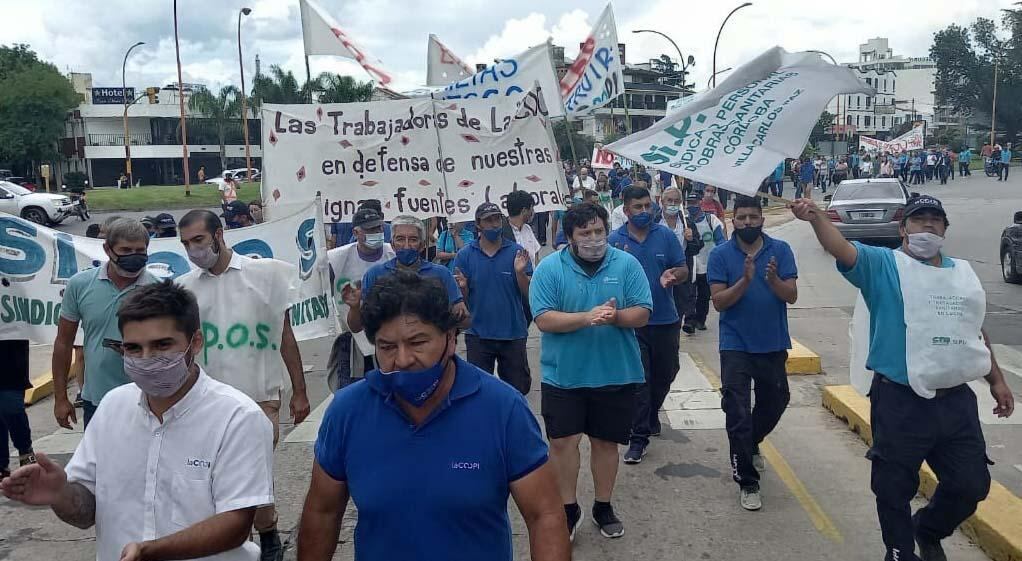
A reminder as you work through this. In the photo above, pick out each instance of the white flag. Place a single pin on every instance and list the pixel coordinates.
(512, 77)
(443, 66)
(735, 134)
(912, 140)
(596, 77)
(323, 36)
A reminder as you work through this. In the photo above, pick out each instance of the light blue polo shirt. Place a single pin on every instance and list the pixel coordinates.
(426, 269)
(595, 356)
(494, 299)
(439, 490)
(92, 299)
(875, 274)
(660, 251)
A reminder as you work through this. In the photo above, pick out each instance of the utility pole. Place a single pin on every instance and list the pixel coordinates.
(993, 110)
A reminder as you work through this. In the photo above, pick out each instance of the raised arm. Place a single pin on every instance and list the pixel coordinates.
(830, 237)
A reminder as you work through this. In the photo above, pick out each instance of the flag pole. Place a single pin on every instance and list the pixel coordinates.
(571, 138)
(308, 77)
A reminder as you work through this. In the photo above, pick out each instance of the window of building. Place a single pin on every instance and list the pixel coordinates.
(848, 119)
(897, 121)
(858, 101)
(849, 101)
(867, 101)
(894, 85)
(883, 122)
(857, 120)
(866, 121)
(885, 84)
(869, 81)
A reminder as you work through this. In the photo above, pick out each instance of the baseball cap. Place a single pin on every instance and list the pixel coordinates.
(367, 218)
(165, 220)
(919, 203)
(694, 196)
(236, 208)
(486, 210)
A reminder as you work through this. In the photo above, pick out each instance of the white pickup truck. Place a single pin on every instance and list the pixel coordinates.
(41, 208)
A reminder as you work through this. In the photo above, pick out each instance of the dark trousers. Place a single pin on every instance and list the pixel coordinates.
(904, 174)
(510, 357)
(951, 170)
(539, 226)
(945, 432)
(13, 424)
(963, 169)
(855, 171)
(339, 363)
(1002, 171)
(777, 188)
(942, 173)
(658, 347)
(702, 288)
(747, 426)
(917, 177)
(88, 410)
(929, 172)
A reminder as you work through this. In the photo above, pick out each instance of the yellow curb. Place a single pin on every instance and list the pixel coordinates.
(996, 527)
(802, 360)
(42, 387)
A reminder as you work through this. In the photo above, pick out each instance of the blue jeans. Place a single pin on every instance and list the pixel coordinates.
(13, 422)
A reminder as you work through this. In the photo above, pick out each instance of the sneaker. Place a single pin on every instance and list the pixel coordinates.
(929, 548)
(701, 326)
(758, 462)
(749, 498)
(688, 328)
(270, 547)
(26, 459)
(636, 451)
(77, 403)
(574, 514)
(608, 523)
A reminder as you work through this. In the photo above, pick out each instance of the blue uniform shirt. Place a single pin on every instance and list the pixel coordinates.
(758, 322)
(875, 274)
(494, 299)
(439, 490)
(596, 356)
(426, 269)
(660, 251)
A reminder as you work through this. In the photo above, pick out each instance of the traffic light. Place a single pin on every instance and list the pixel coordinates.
(153, 94)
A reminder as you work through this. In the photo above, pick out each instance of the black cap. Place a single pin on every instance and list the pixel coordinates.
(920, 203)
(367, 218)
(486, 210)
(148, 220)
(236, 208)
(165, 220)
(693, 196)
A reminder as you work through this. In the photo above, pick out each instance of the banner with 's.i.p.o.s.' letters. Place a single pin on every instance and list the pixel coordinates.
(36, 263)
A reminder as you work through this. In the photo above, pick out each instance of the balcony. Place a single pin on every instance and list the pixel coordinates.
(165, 132)
(136, 139)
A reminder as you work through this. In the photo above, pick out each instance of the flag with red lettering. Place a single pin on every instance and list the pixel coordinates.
(443, 66)
(596, 77)
(323, 36)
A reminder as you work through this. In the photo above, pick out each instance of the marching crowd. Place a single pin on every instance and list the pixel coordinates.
(429, 445)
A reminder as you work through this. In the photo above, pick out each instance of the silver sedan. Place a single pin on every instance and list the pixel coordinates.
(869, 210)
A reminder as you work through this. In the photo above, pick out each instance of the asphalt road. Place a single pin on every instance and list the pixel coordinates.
(680, 503)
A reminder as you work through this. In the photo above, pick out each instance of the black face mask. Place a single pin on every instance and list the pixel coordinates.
(132, 262)
(749, 234)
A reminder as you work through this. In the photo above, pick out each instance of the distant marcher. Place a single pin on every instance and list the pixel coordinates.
(228, 191)
(202, 174)
(13, 420)
(1002, 171)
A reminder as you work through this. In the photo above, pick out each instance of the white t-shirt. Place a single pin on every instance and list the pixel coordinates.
(348, 266)
(230, 190)
(212, 454)
(588, 183)
(931, 159)
(617, 218)
(706, 226)
(242, 312)
(527, 239)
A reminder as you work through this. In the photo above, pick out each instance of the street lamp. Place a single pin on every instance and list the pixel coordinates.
(181, 106)
(728, 69)
(685, 62)
(124, 95)
(244, 109)
(713, 76)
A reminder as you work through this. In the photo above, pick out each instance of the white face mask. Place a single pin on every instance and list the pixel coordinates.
(204, 257)
(924, 245)
(374, 241)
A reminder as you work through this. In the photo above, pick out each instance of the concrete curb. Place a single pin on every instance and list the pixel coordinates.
(802, 360)
(996, 527)
(42, 387)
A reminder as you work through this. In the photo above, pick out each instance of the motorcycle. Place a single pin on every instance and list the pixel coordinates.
(81, 207)
(991, 167)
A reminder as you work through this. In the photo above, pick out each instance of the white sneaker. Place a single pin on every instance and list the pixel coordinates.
(758, 462)
(749, 499)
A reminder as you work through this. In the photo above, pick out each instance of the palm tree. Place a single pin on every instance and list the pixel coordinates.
(335, 88)
(280, 86)
(220, 109)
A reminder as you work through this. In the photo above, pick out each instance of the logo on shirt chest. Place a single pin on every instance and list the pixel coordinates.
(466, 465)
(197, 463)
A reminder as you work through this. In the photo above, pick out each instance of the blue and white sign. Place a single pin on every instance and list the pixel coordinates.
(512, 77)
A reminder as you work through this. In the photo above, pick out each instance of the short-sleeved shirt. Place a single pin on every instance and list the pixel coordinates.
(526, 238)
(659, 252)
(494, 299)
(443, 484)
(348, 266)
(229, 190)
(242, 311)
(213, 453)
(758, 322)
(1005, 156)
(91, 299)
(446, 243)
(426, 269)
(595, 356)
(875, 274)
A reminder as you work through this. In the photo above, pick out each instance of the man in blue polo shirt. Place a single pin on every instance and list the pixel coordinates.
(494, 275)
(588, 299)
(752, 280)
(926, 343)
(409, 238)
(429, 447)
(663, 261)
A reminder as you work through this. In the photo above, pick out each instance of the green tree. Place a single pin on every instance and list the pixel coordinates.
(220, 108)
(583, 143)
(34, 101)
(334, 88)
(280, 86)
(820, 130)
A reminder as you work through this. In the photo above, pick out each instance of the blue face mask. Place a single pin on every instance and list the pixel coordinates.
(641, 220)
(407, 256)
(695, 211)
(415, 386)
(492, 234)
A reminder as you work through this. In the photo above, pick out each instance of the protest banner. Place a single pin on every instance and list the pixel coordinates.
(596, 77)
(442, 65)
(912, 140)
(418, 157)
(735, 135)
(512, 77)
(323, 36)
(36, 263)
(602, 159)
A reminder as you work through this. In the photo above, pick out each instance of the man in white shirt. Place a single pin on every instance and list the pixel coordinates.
(248, 343)
(348, 264)
(519, 214)
(174, 465)
(582, 181)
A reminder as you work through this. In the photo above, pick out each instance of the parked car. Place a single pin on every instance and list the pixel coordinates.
(238, 174)
(22, 181)
(41, 208)
(1011, 251)
(869, 210)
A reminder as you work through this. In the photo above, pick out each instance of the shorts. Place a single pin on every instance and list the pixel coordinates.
(605, 413)
(272, 410)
